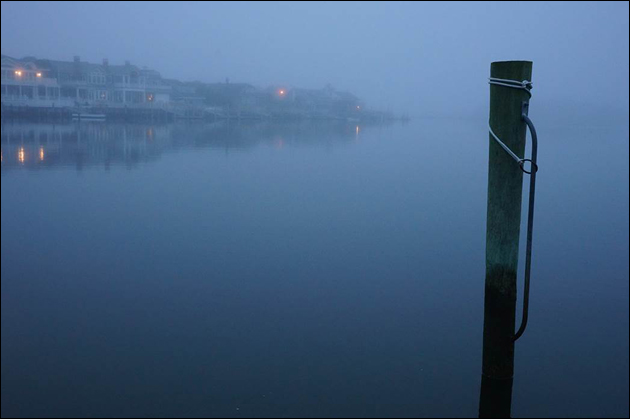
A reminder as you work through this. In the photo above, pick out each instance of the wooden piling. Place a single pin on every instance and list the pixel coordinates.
(505, 187)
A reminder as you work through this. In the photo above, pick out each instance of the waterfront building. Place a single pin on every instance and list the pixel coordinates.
(26, 82)
(32, 82)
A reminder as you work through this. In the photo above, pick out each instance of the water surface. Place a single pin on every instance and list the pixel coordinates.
(299, 270)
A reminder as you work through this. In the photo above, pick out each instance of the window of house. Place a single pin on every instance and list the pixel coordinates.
(68, 92)
(27, 91)
(97, 79)
(53, 92)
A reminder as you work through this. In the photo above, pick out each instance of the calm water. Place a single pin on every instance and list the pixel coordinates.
(300, 270)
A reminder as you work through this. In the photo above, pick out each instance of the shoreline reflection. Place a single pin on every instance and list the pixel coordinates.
(45, 146)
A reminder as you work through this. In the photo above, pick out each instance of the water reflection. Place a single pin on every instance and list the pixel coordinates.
(339, 282)
(39, 146)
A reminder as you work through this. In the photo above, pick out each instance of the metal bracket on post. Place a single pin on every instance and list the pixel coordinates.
(532, 195)
(530, 217)
(521, 162)
(532, 161)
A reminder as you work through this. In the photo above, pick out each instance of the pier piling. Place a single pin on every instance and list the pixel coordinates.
(505, 187)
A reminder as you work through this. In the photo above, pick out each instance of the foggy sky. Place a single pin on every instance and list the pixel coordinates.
(416, 57)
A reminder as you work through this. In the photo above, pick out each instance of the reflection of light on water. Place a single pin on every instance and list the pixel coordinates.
(21, 155)
(41, 154)
(279, 143)
(358, 132)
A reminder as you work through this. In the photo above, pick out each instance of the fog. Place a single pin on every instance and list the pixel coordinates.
(209, 249)
(425, 59)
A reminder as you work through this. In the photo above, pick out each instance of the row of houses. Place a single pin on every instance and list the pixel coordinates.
(49, 82)
(33, 82)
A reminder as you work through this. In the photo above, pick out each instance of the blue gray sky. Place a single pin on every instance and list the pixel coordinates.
(425, 58)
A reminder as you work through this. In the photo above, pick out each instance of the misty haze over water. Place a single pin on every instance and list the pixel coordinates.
(306, 267)
(416, 57)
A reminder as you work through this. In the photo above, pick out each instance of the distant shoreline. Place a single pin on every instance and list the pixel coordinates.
(117, 114)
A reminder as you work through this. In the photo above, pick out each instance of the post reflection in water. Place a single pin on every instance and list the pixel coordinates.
(36, 146)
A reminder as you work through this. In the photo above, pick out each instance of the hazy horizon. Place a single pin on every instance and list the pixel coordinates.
(418, 58)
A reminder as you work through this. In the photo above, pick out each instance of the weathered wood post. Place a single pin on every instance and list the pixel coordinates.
(505, 188)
